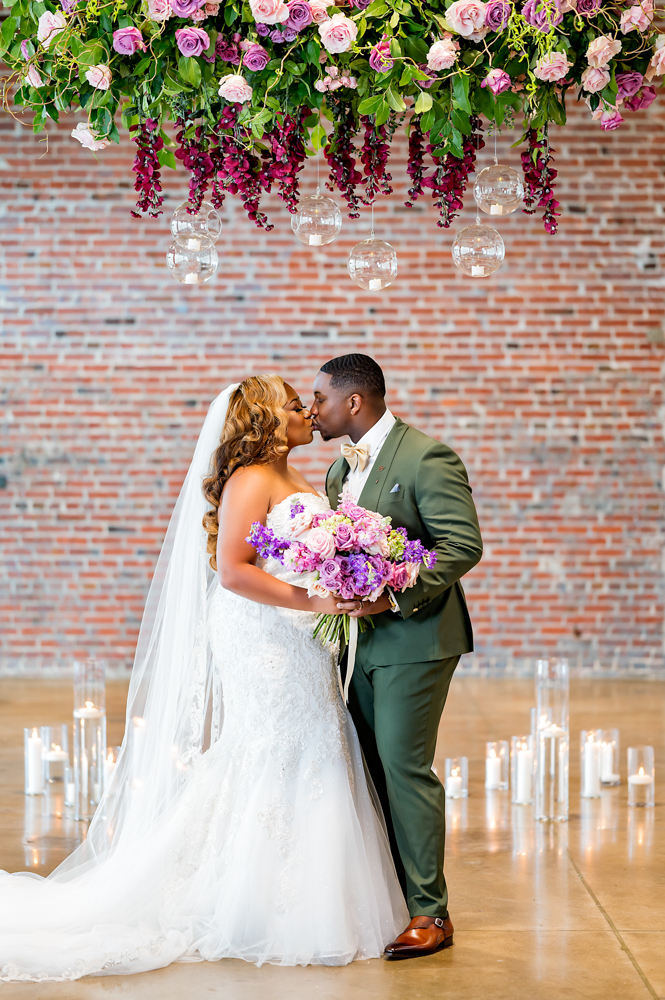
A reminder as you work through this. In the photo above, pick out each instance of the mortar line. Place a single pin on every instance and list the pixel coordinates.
(613, 928)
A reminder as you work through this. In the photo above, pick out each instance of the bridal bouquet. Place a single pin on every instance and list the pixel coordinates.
(351, 553)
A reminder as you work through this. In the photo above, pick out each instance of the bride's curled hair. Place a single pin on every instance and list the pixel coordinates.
(254, 434)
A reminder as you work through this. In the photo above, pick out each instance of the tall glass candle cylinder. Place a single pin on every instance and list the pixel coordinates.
(641, 777)
(590, 763)
(497, 763)
(522, 769)
(33, 766)
(552, 740)
(89, 736)
(609, 757)
(456, 777)
(552, 691)
(55, 753)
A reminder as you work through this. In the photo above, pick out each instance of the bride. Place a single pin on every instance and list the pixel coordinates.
(238, 822)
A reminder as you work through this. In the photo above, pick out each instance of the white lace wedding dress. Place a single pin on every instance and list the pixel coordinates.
(274, 851)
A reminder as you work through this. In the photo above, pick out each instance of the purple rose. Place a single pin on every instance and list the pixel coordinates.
(127, 40)
(276, 36)
(379, 59)
(400, 576)
(192, 41)
(185, 8)
(330, 574)
(642, 99)
(346, 591)
(497, 80)
(497, 14)
(628, 83)
(431, 76)
(68, 5)
(262, 30)
(359, 4)
(227, 51)
(289, 34)
(587, 8)
(542, 14)
(300, 15)
(256, 58)
(344, 538)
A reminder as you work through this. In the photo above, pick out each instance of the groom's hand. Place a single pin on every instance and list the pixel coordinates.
(368, 607)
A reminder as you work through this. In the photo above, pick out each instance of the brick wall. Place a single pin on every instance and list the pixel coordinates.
(542, 377)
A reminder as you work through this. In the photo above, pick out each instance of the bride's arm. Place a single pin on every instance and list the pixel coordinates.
(246, 498)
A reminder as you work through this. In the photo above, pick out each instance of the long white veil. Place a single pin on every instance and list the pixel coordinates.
(174, 704)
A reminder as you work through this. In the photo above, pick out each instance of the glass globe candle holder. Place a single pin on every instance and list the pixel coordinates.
(317, 221)
(195, 264)
(372, 264)
(478, 250)
(498, 189)
(189, 228)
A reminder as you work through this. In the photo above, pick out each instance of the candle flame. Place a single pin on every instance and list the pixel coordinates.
(455, 772)
(110, 757)
(641, 771)
(89, 704)
(492, 753)
(138, 721)
(34, 733)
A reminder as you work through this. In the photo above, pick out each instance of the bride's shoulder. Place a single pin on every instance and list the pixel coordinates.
(249, 483)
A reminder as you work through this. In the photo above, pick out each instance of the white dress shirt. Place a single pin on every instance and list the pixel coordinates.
(375, 438)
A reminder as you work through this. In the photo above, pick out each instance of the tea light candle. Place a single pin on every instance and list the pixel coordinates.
(316, 240)
(492, 770)
(496, 209)
(34, 779)
(374, 284)
(89, 712)
(640, 778)
(55, 753)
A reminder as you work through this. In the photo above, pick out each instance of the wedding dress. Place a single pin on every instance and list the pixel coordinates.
(269, 847)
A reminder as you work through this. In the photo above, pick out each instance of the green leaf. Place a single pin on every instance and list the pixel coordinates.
(383, 114)
(395, 49)
(189, 70)
(92, 54)
(318, 137)
(395, 101)
(416, 49)
(167, 159)
(461, 92)
(171, 85)
(370, 105)
(428, 120)
(407, 75)
(9, 26)
(231, 14)
(484, 102)
(394, 20)
(423, 104)
(461, 121)
(312, 52)
(376, 9)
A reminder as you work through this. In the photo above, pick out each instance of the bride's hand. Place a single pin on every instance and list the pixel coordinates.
(325, 605)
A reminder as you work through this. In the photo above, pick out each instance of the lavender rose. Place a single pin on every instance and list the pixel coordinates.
(227, 51)
(359, 4)
(497, 80)
(587, 8)
(330, 574)
(379, 59)
(642, 99)
(628, 83)
(497, 14)
(127, 41)
(262, 30)
(542, 14)
(185, 8)
(289, 34)
(300, 15)
(192, 41)
(344, 537)
(256, 58)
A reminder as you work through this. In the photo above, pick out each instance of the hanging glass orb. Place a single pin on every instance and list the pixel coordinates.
(317, 221)
(206, 224)
(192, 265)
(498, 190)
(372, 264)
(478, 250)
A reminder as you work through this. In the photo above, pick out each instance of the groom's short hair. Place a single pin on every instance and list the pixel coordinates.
(356, 373)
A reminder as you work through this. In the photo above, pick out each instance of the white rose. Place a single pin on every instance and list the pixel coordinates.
(235, 89)
(338, 33)
(269, 11)
(442, 54)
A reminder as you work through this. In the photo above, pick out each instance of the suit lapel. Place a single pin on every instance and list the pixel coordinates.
(335, 479)
(369, 497)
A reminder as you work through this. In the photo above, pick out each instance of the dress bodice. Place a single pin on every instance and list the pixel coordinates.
(292, 518)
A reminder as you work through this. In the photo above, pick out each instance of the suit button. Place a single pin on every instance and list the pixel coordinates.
(376, 480)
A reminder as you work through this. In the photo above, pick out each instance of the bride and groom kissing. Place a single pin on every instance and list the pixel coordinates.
(251, 814)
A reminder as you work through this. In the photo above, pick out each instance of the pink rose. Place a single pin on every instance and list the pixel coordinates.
(269, 11)
(88, 137)
(346, 591)
(442, 53)
(192, 41)
(594, 79)
(300, 523)
(551, 67)
(642, 99)
(338, 33)
(497, 80)
(126, 41)
(609, 120)
(159, 10)
(601, 50)
(321, 542)
(349, 507)
(318, 9)
(33, 77)
(413, 569)
(99, 76)
(466, 17)
(49, 26)
(316, 589)
(349, 81)
(400, 577)
(235, 89)
(345, 538)
(657, 64)
(639, 17)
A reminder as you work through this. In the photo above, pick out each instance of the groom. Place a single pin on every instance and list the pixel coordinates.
(405, 664)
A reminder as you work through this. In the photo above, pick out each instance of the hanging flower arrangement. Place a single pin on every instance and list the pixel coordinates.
(247, 85)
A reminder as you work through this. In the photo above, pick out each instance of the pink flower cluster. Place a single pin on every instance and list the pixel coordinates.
(333, 81)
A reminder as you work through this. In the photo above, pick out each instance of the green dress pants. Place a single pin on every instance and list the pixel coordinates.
(396, 710)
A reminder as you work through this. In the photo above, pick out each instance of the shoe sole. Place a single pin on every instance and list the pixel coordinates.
(418, 952)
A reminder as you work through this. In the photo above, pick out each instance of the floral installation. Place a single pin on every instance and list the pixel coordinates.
(251, 83)
(352, 553)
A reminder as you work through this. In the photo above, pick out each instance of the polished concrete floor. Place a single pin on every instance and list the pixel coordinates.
(574, 910)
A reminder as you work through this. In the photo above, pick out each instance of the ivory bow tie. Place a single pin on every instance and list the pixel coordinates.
(357, 455)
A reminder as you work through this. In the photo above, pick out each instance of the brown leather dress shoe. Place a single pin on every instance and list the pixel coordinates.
(423, 936)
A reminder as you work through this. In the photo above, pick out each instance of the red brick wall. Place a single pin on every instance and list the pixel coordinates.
(542, 377)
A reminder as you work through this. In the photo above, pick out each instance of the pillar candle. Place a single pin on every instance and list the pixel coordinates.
(35, 785)
(492, 771)
(454, 785)
(524, 772)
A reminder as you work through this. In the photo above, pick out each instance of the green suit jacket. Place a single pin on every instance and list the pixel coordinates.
(423, 486)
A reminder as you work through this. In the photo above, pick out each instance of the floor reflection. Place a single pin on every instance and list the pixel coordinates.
(640, 833)
(50, 831)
